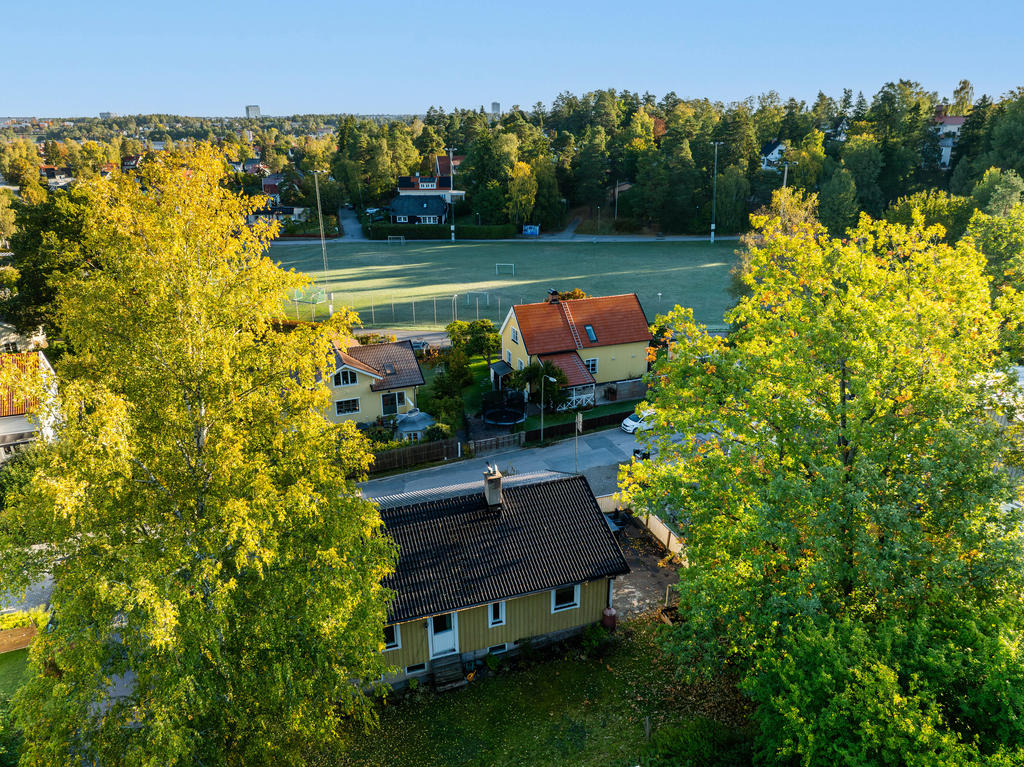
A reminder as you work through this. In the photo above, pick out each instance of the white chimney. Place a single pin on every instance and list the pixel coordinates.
(492, 486)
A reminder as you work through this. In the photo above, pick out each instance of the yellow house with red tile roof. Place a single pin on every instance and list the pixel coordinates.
(594, 341)
(373, 381)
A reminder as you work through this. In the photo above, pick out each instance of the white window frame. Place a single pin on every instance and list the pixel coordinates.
(341, 375)
(428, 219)
(587, 364)
(398, 639)
(521, 365)
(401, 219)
(574, 605)
(416, 668)
(508, 356)
(347, 412)
(428, 185)
(515, 336)
(399, 401)
(491, 623)
(498, 649)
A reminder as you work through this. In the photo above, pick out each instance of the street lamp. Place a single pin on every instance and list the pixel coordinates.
(714, 190)
(320, 218)
(455, 307)
(549, 378)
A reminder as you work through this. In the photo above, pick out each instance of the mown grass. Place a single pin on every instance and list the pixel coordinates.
(413, 285)
(13, 671)
(568, 710)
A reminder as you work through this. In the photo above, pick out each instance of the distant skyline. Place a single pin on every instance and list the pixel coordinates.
(211, 59)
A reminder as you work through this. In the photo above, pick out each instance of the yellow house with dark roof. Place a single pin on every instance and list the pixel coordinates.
(373, 381)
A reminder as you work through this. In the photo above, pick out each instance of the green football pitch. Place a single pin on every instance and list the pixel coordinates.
(427, 284)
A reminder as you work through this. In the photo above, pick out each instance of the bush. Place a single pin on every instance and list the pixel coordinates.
(10, 736)
(381, 231)
(37, 617)
(698, 743)
(437, 432)
(596, 641)
(366, 339)
(626, 225)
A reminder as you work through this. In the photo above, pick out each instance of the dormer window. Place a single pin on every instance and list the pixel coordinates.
(428, 183)
(389, 369)
(590, 333)
(345, 378)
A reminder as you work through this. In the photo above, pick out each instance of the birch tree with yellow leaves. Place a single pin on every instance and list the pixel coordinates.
(218, 593)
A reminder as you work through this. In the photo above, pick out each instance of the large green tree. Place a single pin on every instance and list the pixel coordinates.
(853, 551)
(217, 593)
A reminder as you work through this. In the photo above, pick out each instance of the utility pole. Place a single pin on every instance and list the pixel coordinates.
(320, 217)
(714, 190)
(785, 171)
(451, 191)
(616, 216)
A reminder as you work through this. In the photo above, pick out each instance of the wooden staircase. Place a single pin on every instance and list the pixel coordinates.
(448, 672)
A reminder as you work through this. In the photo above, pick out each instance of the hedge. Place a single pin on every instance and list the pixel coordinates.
(381, 231)
(565, 429)
(38, 617)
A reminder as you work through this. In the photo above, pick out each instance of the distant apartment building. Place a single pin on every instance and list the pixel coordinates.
(107, 115)
(252, 111)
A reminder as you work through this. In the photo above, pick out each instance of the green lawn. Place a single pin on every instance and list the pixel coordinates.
(565, 711)
(13, 671)
(404, 285)
(552, 419)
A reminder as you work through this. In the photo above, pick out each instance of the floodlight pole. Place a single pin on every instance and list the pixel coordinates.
(714, 190)
(320, 216)
(785, 171)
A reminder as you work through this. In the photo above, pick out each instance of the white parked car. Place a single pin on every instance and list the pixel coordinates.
(638, 421)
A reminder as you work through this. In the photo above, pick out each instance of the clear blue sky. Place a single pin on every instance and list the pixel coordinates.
(401, 56)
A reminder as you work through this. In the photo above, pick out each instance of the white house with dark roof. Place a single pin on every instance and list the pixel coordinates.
(771, 154)
(419, 209)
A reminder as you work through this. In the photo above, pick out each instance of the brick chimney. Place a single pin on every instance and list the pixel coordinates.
(492, 487)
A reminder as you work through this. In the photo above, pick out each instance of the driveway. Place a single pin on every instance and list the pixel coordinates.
(600, 454)
(350, 224)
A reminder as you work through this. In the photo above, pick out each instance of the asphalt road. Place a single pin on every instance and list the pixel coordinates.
(600, 454)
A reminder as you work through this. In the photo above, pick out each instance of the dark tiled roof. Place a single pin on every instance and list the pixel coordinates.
(455, 553)
(575, 371)
(770, 146)
(396, 362)
(418, 205)
(615, 320)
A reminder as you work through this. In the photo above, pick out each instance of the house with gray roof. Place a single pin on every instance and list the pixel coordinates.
(419, 209)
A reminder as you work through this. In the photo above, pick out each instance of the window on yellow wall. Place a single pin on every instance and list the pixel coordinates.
(515, 336)
(591, 366)
(521, 364)
(496, 614)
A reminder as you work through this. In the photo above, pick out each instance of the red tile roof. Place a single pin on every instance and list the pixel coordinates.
(951, 120)
(546, 328)
(396, 363)
(575, 371)
(11, 403)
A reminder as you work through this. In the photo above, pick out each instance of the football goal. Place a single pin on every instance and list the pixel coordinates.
(479, 296)
(506, 268)
(396, 239)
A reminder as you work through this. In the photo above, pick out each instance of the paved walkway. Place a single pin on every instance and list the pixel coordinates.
(600, 454)
(350, 224)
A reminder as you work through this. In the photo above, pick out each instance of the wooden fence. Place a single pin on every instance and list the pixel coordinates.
(422, 452)
(17, 639)
(490, 444)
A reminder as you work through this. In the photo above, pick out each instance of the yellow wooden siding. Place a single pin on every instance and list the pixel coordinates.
(617, 363)
(518, 350)
(525, 617)
(371, 404)
(414, 647)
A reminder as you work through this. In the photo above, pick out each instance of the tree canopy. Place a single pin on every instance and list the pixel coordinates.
(853, 548)
(217, 594)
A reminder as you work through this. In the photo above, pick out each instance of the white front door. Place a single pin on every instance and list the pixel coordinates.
(444, 635)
